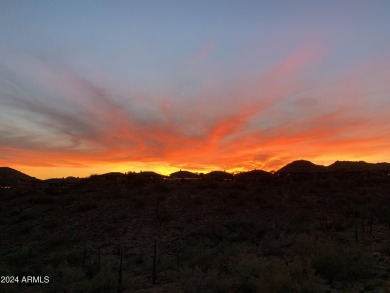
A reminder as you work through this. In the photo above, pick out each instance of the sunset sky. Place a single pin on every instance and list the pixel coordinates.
(92, 87)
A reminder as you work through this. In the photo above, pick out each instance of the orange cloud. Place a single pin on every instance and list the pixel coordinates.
(261, 121)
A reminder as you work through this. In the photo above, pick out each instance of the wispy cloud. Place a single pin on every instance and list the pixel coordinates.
(57, 117)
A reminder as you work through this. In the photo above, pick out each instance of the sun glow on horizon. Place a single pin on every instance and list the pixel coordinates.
(159, 167)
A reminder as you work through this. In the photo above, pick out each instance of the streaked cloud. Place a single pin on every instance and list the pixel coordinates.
(57, 117)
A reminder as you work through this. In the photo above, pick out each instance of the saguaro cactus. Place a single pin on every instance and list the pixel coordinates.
(178, 260)
(370, 220)
(98, 261)
(355, 227)
(120, 269)
(154, 269)
(84, 256)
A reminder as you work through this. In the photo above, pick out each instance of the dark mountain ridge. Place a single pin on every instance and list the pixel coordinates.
(302, 166)
(358, 166)
(9, 173)
(183, 175)
(298, 166)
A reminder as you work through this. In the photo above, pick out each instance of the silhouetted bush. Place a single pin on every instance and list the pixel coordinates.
(43, 199)
(26, 216)
(51, 225)
(85, 206)
(164, 215)
(336, 262)
(206, 184)
(198, 200)
(162, 187)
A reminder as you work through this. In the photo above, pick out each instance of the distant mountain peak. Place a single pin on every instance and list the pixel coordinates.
(183, 174)
(9, 173)
(302, 166)
(358, 166)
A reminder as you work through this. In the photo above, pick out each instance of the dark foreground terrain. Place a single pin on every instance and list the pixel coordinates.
(282, 235)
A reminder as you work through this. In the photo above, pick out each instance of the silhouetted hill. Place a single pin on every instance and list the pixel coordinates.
(382, 166)
(112, 175)
(357, 166)
(12, 174)
(183, 175)
(72, 179)
(253, 175)
(67, 180)
(107, 178)
(218, 175)
(350, 166)
(149, 175)
(302, 166)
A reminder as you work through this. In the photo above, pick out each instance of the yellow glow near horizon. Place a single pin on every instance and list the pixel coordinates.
(159, 167)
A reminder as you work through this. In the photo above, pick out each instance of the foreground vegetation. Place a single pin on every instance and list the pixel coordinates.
(318, 235)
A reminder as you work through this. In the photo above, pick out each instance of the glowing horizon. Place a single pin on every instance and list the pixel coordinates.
(63, 172)
(129, 88)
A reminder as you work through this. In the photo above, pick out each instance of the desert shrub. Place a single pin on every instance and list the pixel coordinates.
(164, 214)
(138, 203)
(2, 216)
(247, 285)
(239, 202)
(257, 274)
(304, 278)
(56, 241)
(198, 200)
(325, 183)
(97, 284)
(246, 273)
(356, 199)
(24, 228)
(240, 186)
(42, 199)
(86, 205)
(140, 262)
(341, 263)
(60, 240)
(68, 278)
(51, 225)
(51, 191)
(9, 194)
(22, 257)
(272, 247)
(213, 233)
(73, 257)
(222, 258)
(68, 198)
(192, 280)
(334, 261)
(241, 230)
(383, 213)
(206, 184)
(162, 187)
(10, 288)
(341, 223)
(233, 194)
(233, 270)
(26, 216)
(14, 212)
(25, 192)
(259, 231)
(275, 241)
(139, 181)
(196, 280)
